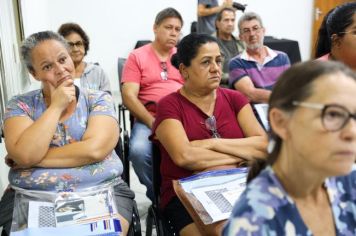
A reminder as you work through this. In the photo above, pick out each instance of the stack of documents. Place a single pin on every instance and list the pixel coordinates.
(213, 194)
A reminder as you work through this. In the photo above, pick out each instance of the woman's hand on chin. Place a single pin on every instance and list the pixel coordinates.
(63, 95)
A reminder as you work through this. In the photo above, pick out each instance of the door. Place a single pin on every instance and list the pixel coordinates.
(321, 8)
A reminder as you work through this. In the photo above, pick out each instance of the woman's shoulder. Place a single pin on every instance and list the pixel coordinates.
(260, 207)
(93, 68)
(28, 98)
(345, 184)
(94, 96)
(230, 92)
(262, 196)
(169, 106)
(233, 96)
(172, 97)
(93, 93)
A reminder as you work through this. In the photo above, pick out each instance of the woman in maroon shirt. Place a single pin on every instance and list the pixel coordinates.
(202, 126)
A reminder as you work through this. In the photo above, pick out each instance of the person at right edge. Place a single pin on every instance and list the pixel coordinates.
(337, 36)
(307, 184)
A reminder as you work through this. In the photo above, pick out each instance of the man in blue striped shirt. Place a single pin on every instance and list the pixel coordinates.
(256, 69)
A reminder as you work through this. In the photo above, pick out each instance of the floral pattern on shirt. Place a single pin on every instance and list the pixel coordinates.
(265, 208)
(90, 103)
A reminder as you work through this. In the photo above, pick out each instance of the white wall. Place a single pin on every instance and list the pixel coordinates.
(290, 19)
(114, 26)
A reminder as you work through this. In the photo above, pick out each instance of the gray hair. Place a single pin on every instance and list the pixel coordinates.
(248, 16)
(33, 40)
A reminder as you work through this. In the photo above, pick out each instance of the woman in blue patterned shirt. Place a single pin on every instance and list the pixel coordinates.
(308, 183)
(60, 137)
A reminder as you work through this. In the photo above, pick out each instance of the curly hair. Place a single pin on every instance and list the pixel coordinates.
(68, 28)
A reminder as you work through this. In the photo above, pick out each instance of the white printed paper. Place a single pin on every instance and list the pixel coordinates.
(218, 200)
(41, 214)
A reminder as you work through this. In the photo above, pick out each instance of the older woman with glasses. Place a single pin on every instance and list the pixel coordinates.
(337, 36)
(87, 75)
(202, 126)
(307, 183)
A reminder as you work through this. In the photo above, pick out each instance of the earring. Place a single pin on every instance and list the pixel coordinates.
(271, 145)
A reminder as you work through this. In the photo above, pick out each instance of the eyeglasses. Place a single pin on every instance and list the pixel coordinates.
(78, 44)
(255, 29)
(164, 73)
(352, 32)
(334, 117)
(210, 124)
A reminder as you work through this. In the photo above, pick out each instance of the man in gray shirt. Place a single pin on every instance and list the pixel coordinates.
(229, 45)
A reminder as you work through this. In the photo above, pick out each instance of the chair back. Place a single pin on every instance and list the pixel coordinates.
(156, 175)
(120, 65)
(155, 216)
(141, 43)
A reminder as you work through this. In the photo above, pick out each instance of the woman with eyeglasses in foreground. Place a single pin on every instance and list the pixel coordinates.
(337, 35)
(307, 185)
(90, 75)
(202, 126)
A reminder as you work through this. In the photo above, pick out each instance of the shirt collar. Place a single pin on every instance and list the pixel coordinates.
(270, 55)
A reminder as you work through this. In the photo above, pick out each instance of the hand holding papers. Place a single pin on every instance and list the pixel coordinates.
(211, 195)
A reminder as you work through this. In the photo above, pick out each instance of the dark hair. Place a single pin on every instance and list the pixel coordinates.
(193, 27)
(168, 13)
(69, 28)
(335, 22)
(220, 15)
(188, 47)
(295, 84)
(33, 40)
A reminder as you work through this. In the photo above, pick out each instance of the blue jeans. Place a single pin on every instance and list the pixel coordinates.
(140, 155)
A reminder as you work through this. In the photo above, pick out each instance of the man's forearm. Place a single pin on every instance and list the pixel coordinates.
(139, 111)
(259, 95)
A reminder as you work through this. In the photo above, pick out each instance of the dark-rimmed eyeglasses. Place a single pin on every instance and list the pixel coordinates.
(78, 44)
(210, 124)
(164, 72)
(334, 117)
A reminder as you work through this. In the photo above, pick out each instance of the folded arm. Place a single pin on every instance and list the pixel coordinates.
(97, 143)
(211, 153)
(257, 95)
(27, 141)
(253, 146)
(188, 154)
